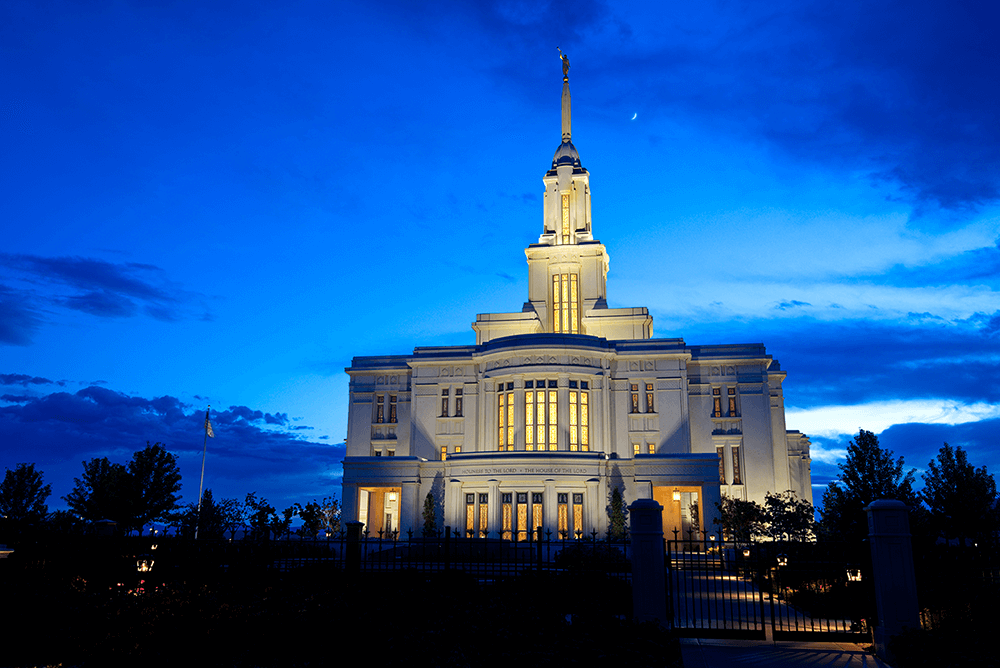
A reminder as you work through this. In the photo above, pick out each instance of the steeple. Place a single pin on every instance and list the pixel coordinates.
(567, 268)
(567, 184)
(567, 133)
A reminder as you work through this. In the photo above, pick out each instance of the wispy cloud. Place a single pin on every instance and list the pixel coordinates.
(833, 421)
(40, 286)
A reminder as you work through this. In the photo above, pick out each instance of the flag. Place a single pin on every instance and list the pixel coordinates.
(208, 426)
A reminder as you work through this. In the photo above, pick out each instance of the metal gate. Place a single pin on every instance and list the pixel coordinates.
(777, 590)
(711, 591)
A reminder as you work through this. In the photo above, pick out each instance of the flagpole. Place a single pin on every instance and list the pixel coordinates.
(201, 483)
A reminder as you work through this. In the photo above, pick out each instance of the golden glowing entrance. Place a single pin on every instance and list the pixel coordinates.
(682, 510)
(378, 510)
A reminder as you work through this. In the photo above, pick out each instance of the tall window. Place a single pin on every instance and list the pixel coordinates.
(732, 402)
(522, 516)
(505, 417)
(565, 218)
(484, 514)
(506, 515)
(737, 469)
(579, 418)
(536, 510)
(716, 402)
(392, 408)
(458, 402)
(722, 464)
(470, 515)
(649, 398)
(380, 408)
(565, 304)
(578, 514)
(541, 415)
(563, 523)
(634, 397)
(444, 402)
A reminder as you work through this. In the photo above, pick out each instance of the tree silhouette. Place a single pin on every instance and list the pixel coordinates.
(869, 473)
(430, 516)
(101, 493)
(961, 498)
(617, 515)
(135, 495)
(23, 495)
(154, 479)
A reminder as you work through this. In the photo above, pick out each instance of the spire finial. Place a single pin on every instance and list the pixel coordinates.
(566, 130)
(565, 62)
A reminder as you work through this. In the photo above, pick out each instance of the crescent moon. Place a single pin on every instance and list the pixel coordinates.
(634, 115)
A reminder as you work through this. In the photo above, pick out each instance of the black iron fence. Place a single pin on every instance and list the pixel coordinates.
(488, 558)
(788, 590)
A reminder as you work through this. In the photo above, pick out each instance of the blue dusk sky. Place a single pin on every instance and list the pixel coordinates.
(224, 202)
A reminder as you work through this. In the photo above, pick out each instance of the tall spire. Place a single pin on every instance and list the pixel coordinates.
(567, 133)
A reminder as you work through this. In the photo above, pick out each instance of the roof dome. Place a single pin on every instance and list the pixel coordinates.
(566, 154)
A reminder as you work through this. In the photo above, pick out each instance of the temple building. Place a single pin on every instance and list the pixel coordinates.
(558, 404)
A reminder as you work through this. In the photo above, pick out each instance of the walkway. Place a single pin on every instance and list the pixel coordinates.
(703, 653)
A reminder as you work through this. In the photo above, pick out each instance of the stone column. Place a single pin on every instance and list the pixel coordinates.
(594, 516)
(550, 511)
(496, 508)
(649, 594)
(410, 509)
(454, 506)
(711, 494)
(892, 568)
(349, 502)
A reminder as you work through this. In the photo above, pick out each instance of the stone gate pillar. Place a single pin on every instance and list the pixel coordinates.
(892, 568)
(649, 594)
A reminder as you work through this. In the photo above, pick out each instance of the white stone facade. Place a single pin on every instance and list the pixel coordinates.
(557, 405)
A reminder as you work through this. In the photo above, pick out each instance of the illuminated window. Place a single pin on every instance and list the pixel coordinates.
(563, 522)
(458, 402)
(505, 417)
(651, 448)
(484, 507)
(722, 464)
(553, 415)
(444, 452)
(578, 514)
(458, 448)
(635, 449)
(635, 398)
(392, 408)
(522, 516)
(541, 415)
(444, 403)
(732, 402)
(579, 420)
(470, 515)
(716, 402)
(737, 472)
(507, 514)
(565, 218)
(649, 398)
(529, 414)
(379, 408)
(565, 304)
(536, 510)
